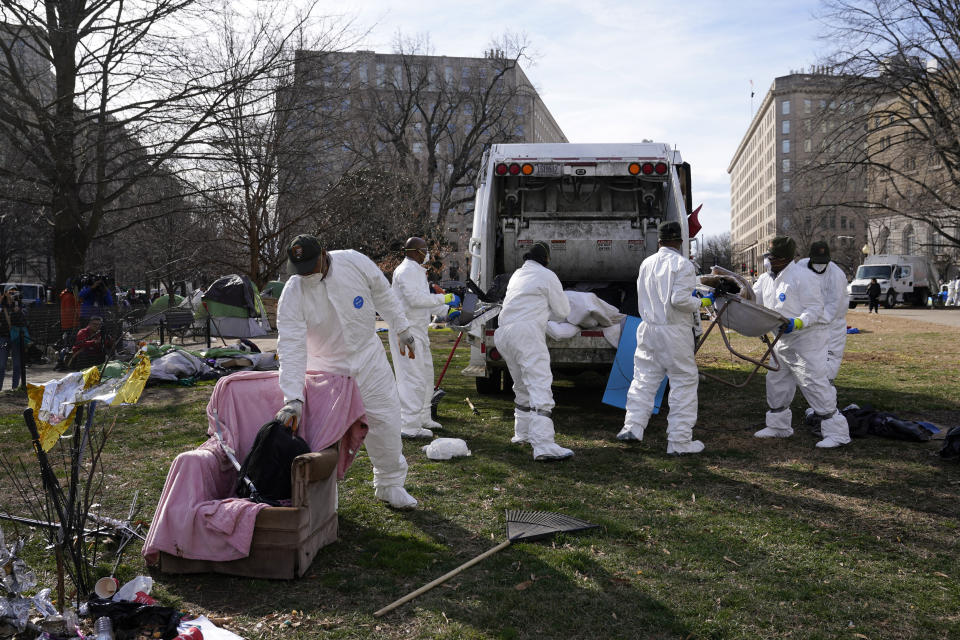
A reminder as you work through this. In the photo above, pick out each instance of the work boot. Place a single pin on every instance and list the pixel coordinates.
(683, 448)
(417, 432)
(770, 432)
(630, 433)
(396, 497)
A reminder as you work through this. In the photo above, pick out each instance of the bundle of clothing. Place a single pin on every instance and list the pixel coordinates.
(866, 420)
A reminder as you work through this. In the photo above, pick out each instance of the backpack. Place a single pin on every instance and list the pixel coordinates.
(268, 463)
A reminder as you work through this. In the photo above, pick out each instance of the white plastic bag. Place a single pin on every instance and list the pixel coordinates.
(128, 592)
(446, 448)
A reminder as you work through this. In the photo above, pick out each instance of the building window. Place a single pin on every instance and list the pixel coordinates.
(843, 222)
(807, 106)
(786, 145)
(518, 131)
(448, 74)
(785, 128)
(785, 107)
(418, 147)
(786, 185)
(807, 145)
(519, 109)
(786, 165)
(823, 104)
(362, 72)
(381, 68)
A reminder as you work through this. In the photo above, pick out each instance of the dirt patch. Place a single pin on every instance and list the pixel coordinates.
(165, 395)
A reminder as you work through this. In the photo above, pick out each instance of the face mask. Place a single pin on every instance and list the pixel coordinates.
(817, 268)
(426, 257)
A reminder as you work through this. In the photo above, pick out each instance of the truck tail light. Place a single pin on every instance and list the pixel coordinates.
(660, 168)
(494, 354)
(634, 168)
(647, 168)
(501, 169)
(526, 169)
(514, 169)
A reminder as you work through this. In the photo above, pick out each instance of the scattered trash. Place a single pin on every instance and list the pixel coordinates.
(446, 448)
(853, 330)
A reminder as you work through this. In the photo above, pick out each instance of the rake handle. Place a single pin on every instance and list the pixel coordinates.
(430, 585)
(449, 358)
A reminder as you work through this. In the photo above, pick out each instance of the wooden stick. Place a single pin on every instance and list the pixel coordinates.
(469, 563)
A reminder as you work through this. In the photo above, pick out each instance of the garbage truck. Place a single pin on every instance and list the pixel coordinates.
(597, 206)
(902, 279)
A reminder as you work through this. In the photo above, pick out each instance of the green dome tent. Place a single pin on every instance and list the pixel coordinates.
(272, 289)
(235, 308)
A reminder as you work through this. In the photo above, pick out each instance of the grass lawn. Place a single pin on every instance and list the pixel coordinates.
(751, 539)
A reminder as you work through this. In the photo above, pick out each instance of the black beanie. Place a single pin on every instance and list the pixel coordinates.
(539, 252)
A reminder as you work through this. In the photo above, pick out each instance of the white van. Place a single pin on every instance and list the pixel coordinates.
(30, 292)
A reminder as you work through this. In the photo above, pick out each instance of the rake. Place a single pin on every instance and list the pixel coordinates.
(521, 525)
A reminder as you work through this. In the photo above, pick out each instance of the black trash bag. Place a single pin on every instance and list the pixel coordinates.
(951, 445)
(269, 461)
(888, 425)
(129, 618)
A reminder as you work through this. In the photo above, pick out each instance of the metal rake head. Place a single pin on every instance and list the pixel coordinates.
(536, 525)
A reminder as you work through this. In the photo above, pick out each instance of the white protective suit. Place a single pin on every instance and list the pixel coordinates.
(802, 354)
(833, 288)
(534, 294)
(665, 346)
(415, 377)
(328, 323)
(952, 293)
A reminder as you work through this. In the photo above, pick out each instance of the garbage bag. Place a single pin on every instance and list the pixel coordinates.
(129, 617)
(446, 448)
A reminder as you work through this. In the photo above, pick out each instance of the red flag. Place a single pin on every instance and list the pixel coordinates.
(693, 225)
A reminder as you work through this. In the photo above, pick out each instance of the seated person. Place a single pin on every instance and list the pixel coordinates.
(91, 345)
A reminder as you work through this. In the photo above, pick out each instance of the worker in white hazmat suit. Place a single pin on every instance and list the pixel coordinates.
(534, 294)
(326, 322)
(833, 290)
(952, 293)
(415, 377)
(794, 292)
(667, 300)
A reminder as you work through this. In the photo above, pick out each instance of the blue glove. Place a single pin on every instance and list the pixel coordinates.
(792, 324)
(453, 315)
(705, 299)
(451, 299)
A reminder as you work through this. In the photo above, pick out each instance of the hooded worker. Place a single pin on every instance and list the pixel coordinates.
(666, 294)
(833, 288)
(534, 294)
(326, 321)
(415, 377)
(794, 292)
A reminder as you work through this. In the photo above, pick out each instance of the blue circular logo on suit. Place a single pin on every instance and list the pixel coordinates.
(782, 296)
(358, 302)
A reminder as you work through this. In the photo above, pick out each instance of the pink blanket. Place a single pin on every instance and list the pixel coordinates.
(196, 518)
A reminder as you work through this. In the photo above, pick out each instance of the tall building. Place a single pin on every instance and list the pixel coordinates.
(430, 115)
(772, 189)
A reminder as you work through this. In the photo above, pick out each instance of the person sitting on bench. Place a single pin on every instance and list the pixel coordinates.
(90, 346)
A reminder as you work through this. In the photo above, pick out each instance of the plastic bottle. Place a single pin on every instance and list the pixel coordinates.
(103, 628)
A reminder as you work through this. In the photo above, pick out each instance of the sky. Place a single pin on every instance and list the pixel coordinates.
(628, 70)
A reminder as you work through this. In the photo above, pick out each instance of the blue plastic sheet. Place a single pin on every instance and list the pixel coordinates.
(621, 373)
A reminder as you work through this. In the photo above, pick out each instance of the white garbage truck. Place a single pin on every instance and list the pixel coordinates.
(597, 206)
(902, 279)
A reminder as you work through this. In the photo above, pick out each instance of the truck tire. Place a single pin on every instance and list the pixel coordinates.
(490, 384)
(851, 305)
(920, 296)
(890, 300)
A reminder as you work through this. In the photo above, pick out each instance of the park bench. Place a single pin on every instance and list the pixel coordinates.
(178, 322)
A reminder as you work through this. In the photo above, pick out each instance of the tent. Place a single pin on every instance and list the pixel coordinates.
(272, 289)
(235, 308)
(157, 307)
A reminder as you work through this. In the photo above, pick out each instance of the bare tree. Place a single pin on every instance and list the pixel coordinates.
(894, 135)
(717, 251)
(102, 94)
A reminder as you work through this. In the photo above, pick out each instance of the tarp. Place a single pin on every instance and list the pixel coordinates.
(236, 308)
(621, 374)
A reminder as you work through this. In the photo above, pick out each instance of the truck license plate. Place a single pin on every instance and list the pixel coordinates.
(548, 170)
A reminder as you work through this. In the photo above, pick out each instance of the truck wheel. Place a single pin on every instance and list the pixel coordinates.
(852, 305)
(490, 384)
(890, 300)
